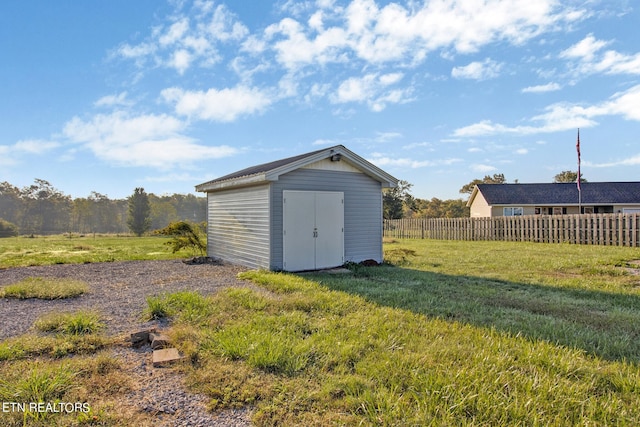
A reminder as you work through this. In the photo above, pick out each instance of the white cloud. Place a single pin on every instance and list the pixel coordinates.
(175, 33)
(406, 34)
(322, 141)
(382, 160)
(223, 26)
(181, 60)
(387, 136)
(391, 78)
(224, 105)
(142, 140)
(356, 89)
(564, 116)
(549, 87)
(11, 154)
(34, 146)
(482, 168)
(183, 42)
(414, 145)
(485, 127)
(317, 91)
(400, 162)
(484, 70)
(592, 59)
(113, 100)
(372, 89)
(364, 34)
(296, 50)
(626, 104)
(137, 51)
(629, 161)
(585, 49)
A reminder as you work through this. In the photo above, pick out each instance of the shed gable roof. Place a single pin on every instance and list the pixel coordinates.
(593, 193)
(272, 170)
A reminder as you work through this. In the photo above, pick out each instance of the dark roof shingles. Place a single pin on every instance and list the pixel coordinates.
(264, 167)
(561, 193)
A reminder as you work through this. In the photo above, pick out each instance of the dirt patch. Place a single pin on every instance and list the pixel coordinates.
(633, 267)
(118, 290)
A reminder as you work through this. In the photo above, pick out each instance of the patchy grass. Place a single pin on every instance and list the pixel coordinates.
(92, 388)
(33, 346)
(187, 305)
(67, 334)
(78, 323)
(46, 250)
(431, 343)
(44, 288)
(89, 388)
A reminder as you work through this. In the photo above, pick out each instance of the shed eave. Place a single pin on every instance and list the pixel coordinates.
(243, 181)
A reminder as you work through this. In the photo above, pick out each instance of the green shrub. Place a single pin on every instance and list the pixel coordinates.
(8, 229)
(185, 235)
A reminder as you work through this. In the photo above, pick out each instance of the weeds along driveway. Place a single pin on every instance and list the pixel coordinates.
(117, 290)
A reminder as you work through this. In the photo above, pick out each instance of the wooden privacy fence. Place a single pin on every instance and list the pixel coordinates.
(589, 229)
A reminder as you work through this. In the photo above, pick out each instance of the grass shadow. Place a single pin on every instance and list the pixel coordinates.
(602, 324)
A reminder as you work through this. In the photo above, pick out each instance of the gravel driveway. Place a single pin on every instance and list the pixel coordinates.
(118, 290)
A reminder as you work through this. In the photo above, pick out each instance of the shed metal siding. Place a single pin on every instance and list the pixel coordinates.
(362, 210)
(238, 226)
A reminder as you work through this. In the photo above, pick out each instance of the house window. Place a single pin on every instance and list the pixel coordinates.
(587, 210)
(559, 211)
(537, 211)
(512, 211)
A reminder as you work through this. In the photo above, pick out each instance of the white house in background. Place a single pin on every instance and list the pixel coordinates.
(307, 212)
(489, 200)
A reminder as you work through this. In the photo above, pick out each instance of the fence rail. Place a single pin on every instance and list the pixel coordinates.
(589, 229)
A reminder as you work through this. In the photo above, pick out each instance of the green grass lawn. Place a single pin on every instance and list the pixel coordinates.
(583, 297)
(456, 333)
(447, 333)
(44, 250)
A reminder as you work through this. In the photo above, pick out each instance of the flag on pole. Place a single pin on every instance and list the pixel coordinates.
(578, 150)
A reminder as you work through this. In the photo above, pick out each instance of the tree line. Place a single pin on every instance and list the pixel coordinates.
(399, 203)
(42, 209)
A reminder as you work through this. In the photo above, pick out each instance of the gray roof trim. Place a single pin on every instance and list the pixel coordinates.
(554, 194)
(271, 171)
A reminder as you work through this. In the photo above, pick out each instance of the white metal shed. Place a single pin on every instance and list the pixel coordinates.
(307, 212)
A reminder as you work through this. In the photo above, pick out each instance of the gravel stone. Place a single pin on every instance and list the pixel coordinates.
(118, 290)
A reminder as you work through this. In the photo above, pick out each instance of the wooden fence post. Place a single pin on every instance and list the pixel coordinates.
(591, 229)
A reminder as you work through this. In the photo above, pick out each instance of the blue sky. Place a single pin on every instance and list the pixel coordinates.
(107, 96)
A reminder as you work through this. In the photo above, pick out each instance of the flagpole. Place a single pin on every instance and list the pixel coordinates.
(578, 179)
(579, 191)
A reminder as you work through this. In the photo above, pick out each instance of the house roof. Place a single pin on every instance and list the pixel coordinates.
(593, 193)
(271, 171)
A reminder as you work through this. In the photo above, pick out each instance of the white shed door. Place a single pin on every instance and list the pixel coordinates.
(313, 230)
